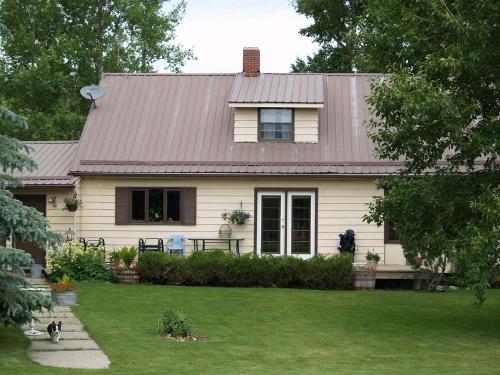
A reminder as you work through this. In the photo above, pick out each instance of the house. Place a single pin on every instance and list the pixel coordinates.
(169, 153)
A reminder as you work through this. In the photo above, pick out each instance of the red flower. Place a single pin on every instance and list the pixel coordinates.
(61, 288)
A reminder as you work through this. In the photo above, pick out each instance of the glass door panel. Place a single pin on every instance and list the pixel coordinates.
(270, 223)
(301, 224)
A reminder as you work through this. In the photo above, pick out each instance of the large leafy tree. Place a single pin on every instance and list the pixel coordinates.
(438, 112)
(55, 47)
(333, 20)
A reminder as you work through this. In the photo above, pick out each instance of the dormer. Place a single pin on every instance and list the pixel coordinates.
(275, 107)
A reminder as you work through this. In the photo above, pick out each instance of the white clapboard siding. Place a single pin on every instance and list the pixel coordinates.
(341, 205)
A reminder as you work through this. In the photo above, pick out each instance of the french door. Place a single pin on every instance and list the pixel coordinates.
(286, 223)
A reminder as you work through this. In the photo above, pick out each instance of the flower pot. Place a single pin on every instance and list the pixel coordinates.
(366, 276)
(127, 276)
(371, 268)
(72, 207)
(36, 271)
(64, 298)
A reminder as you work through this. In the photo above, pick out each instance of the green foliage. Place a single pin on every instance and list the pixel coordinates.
(333, 20)
(17, 305)
(24, 223)
(218, 268)
(72, 201)
(239, 217)
(438, 111)
(55, 47)
(73, 260)
(127, 255)
(173, 323)
(372, 257)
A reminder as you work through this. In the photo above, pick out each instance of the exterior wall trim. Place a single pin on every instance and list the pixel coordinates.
(276, 105)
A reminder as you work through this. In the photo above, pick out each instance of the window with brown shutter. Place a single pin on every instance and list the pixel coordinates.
(155, 205)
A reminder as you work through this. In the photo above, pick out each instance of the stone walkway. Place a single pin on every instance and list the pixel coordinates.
(76, 349)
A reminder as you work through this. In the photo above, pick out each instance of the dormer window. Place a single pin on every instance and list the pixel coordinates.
(276, 124)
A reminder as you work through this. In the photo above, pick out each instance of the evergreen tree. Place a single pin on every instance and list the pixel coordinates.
(25, 223)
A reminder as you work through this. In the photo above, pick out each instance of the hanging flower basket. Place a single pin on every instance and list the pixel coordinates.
(72, 203)
(238, 217)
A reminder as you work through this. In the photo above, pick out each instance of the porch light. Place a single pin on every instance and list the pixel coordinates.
(53, 200)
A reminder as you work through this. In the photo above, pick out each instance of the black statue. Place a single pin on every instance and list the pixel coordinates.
(347, 244)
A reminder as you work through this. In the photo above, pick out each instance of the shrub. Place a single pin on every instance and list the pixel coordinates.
(173, 323)
(218, 268)
(73, 260)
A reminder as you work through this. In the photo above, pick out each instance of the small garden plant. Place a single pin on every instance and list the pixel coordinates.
(72, 203)
(127, 255)
(374, 257)
(73, 260)
(173, 324)
(64, 284)
(238, 217)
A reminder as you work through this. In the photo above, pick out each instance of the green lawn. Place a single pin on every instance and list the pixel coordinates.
(278, 331)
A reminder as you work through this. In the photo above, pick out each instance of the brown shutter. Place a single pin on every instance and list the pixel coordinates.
(188, 201)
(122, 205)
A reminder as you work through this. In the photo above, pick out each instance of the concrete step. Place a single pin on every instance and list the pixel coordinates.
(63, 345)
(65, 328)
(77, 335)
(37, 281)
(70, 320)
(87, 359)
(55, 315)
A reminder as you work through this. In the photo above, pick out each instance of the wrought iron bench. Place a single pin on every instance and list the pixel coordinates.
(145, 246)
(92, 242)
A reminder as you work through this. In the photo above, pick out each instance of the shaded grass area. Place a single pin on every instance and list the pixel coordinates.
(276, 331)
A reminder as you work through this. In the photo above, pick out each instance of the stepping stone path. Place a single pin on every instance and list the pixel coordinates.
(75, 349)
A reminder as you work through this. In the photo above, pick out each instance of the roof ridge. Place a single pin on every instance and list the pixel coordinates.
(51, 142)
(168, 74)
(238, 74)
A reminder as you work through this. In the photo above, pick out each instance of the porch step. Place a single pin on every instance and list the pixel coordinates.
(63, 345)
(70, 335)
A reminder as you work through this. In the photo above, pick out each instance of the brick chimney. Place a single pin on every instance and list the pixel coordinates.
(251, 62)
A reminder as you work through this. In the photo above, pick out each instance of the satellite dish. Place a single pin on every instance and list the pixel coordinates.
(92, 92)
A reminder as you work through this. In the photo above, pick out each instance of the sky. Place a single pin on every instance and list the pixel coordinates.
(217, 31)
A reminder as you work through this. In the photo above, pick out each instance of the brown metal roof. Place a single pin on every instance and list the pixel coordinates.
(183, 125)
(278, 88)
(54, 160)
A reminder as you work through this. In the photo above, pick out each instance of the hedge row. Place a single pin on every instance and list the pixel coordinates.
(218, 268)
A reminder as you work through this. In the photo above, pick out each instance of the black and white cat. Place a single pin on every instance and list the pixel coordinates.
(54, 331)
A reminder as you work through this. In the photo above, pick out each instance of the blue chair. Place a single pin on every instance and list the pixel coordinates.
(177, 243)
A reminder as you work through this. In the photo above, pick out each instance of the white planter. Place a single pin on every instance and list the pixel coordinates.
(65, 298)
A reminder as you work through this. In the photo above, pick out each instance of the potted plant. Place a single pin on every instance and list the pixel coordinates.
(372, 262)
(72, 203)
(238, 217)
(127, 275)
(64, 292)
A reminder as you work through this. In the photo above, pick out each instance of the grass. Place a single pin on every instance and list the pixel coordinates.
(277, 331)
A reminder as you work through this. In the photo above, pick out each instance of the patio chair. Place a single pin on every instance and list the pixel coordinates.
(177, 243)
(150, 244)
